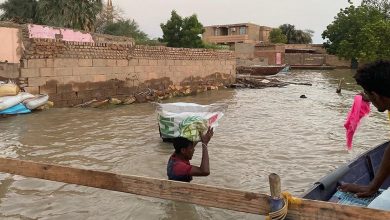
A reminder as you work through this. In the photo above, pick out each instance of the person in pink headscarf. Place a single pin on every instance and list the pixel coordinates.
(375, 80)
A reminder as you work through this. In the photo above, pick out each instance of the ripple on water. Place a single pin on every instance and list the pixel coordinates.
(263, 131)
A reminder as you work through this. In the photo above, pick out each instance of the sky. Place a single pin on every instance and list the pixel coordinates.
(304, 14)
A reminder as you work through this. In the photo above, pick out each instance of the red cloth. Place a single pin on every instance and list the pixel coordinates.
(178, 169)
(360, 108)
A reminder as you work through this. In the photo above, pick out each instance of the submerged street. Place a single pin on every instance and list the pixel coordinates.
(262, 131)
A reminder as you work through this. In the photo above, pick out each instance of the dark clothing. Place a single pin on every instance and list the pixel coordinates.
(179, 169)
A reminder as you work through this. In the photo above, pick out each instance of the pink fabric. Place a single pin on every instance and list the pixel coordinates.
(360, 108)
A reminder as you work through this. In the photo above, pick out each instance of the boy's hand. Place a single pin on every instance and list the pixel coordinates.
(206, 137)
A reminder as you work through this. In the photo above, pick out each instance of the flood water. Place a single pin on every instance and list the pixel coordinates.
(263, 131)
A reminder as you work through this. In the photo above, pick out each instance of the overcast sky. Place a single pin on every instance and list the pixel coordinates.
(304, 14)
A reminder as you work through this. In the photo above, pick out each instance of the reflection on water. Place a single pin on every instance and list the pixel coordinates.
(263, 131)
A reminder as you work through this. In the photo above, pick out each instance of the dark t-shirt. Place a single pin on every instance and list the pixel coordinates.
(179, 169)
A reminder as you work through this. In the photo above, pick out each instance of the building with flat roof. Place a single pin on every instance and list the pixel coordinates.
(229, 34)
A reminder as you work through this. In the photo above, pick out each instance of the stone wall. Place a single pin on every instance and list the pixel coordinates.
(76, 72)
(9, 71)
(316, 60)
(333, 60)
(305, 59)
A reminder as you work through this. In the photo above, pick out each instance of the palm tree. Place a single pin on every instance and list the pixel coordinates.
(296, 36)
(289, 31)
(22, 11)
(76, 14)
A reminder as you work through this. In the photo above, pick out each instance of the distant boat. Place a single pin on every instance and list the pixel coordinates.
(258, 70)
(361, 170)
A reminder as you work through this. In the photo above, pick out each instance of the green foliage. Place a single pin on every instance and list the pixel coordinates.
(381, 5)
(179, 32)
(127, 28)
(107, 16)
(21, 11)
(74, 14)
(276, 36)
(295, 36)
(360, 33)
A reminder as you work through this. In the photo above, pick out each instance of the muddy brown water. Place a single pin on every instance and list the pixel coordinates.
(263, 131)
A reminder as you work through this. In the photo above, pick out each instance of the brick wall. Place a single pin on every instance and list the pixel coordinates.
(73, 73)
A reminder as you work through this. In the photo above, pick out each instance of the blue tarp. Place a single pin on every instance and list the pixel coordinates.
(14, 110)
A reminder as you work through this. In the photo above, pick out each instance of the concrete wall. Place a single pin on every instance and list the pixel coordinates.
(333, 60)
(317, 47)
(264, 34)
(244, 50)
(316, 60)
(305, 59)
(10, 45)
(269, 52)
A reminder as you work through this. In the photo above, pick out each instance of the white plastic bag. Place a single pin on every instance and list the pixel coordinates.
(187, 120)
(9, 101)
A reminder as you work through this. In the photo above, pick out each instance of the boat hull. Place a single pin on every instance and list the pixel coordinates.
(260, 70)
(360, 171)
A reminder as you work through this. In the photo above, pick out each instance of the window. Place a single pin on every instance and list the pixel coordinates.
(242, 30)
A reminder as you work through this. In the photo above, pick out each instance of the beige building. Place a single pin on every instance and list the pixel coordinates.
(230, 34)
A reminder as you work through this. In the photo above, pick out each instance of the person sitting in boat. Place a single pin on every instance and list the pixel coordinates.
(179, 167)
(375, 80)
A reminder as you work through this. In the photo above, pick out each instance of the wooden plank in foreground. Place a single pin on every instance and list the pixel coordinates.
(164, 189)
(311, 209)
(299, 209)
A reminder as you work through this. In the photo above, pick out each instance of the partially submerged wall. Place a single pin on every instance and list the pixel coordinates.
(305, 59)
(76, 72)
(102, 66)
(333, 60)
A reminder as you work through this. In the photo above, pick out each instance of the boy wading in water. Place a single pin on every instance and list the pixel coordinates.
(179, 167)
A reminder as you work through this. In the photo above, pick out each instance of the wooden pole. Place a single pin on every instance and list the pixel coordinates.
(242, 201)
(338, 90)
(276, 201)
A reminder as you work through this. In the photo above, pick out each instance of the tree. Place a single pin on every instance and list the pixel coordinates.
(76, 14)
(359, 33)
(190, 33)
(302, 37)
(276, 36)
(179, 32)
(127, 28)
(296, 36)
(381, 5)
(107, 16)
(22, 11)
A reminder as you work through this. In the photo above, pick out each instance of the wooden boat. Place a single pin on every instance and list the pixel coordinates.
(258, 70)
(36, 101)
(361, 170)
